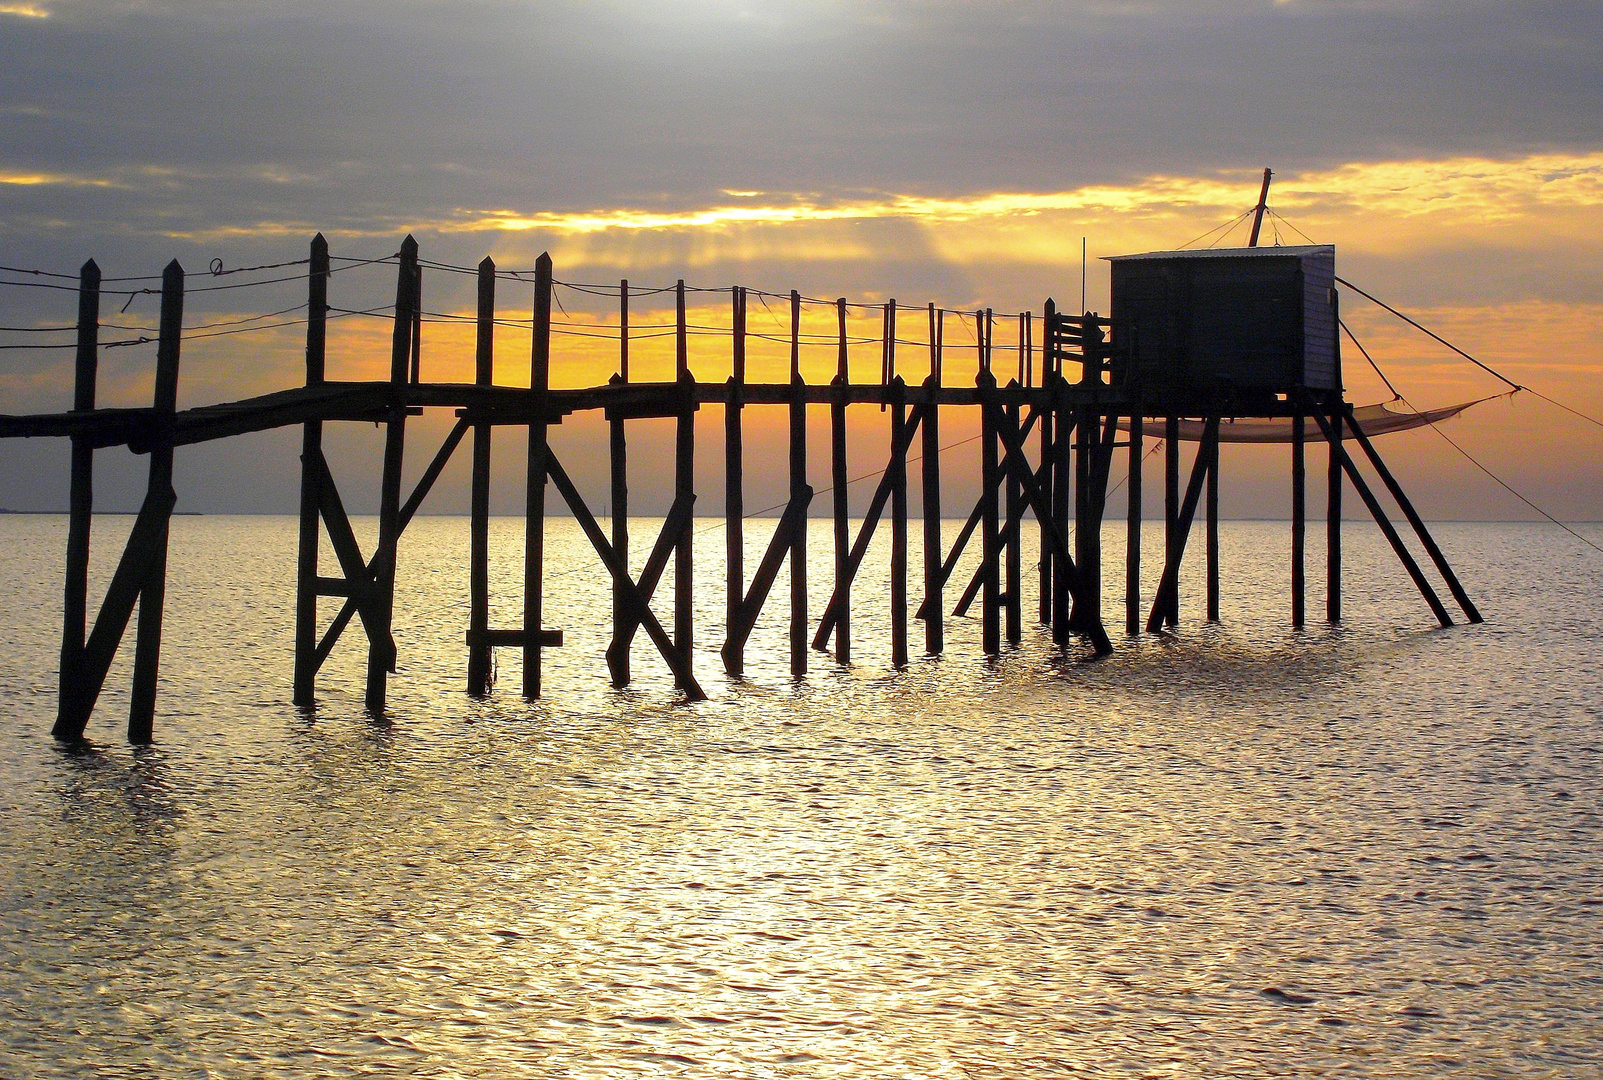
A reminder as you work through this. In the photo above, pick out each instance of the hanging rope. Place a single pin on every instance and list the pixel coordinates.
(1395, 396)
(1475, 461)
(1490, 371)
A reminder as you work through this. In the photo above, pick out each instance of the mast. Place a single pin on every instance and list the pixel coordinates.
(1263, 204)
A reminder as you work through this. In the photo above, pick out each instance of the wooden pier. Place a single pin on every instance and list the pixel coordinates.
(1081, 395)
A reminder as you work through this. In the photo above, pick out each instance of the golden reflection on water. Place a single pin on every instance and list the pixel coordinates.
(1243, 850)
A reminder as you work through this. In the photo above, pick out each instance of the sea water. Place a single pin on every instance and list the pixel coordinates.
(1242, 849)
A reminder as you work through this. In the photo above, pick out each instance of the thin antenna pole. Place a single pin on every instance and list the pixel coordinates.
(1263, 204)
(1082, 274)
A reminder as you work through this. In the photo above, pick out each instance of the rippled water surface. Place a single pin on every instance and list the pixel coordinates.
(1244, 850)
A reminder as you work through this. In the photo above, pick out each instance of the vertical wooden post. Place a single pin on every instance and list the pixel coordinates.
(618, 659)
(1333, 521)
(153, 593)
(1171, 510)
(684, 488)
(990, 480)
(479, 524)
(839, 480)
(1061, 470)
(1046, 424)
(934, 614)
(304, 684)
(734, 491)
(81, 504)
(1062, 488)
(1085, 531)
(623, 330)
(1211, 448)
(1132, 527)
(380, 651)
(1299, 518)
(1014, 588)
(1026, 370)
(417, 326)
(534, 496)
(798, 490)
(898, 395)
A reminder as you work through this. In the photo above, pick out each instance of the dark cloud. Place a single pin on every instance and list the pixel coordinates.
(379, 108)
(236, 129)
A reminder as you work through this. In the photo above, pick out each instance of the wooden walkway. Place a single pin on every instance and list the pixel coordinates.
(1047, 447)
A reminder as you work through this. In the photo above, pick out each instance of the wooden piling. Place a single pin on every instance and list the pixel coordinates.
(153, 592)
(81, 501)
(684, 487)
(1044, 572)
(1167, 599)
(1404, 556)
(380, 657)
(799, 491)
(1012, 534)
(479, 522)
(839, 480)
(898, 478)
(618, 446)
(734, 490)
(1052, 420)
(1211, 447)
(990, 479)
(865, 534)
(933, 608)
(534, 494)
(1085, 533)
(1171, 512)
(1299, 518)
(1333, 522)
(304, 683)
(641, 607)
(977, 579)
(1079, 428)
(1418, 523)
(1067, 423)
(1132, 527)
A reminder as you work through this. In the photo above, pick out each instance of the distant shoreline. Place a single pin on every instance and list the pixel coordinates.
(103, 513)
(760, 517)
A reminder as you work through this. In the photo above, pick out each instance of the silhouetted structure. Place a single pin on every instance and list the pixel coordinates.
(1174, 352)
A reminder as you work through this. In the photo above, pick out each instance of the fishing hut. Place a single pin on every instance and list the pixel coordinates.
(1200, 346)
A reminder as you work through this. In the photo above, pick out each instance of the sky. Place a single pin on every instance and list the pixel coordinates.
(917, 149)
